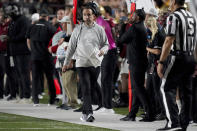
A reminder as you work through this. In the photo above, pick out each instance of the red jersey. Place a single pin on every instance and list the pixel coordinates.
(3, 31)
(54, 48)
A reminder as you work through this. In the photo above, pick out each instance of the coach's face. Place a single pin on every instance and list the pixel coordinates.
(88, 17)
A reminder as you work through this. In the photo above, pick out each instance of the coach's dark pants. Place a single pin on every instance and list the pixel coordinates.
(87, 78)
(107, 72)
(178, 74)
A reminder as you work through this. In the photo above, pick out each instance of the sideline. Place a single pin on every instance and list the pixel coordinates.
(110, 121)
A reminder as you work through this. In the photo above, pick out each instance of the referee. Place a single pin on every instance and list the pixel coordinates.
(180, 44)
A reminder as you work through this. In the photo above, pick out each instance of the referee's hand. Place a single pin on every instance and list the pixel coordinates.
(160, 70)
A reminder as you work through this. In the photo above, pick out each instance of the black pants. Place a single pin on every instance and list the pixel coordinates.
(38, 67)
(151, 93)
(41, 83)
(194, 99)
(107, 72)
(7, 88)
(153, 89)
(135, 101)
(178, 74)
(96, 93)
(2, 73)
(79, 92)
(138, 90)
(22, 65)
(87, 78)
(11, 75)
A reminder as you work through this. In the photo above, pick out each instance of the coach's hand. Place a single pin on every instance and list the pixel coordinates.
(101, 53)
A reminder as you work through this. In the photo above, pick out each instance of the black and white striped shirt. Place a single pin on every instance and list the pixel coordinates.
(182, 25)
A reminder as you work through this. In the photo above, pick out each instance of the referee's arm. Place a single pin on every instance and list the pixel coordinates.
(171, 29)
(165, 52)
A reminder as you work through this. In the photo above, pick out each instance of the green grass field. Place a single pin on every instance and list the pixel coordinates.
(9, 122)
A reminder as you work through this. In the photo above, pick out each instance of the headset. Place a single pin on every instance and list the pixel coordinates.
(94, 7)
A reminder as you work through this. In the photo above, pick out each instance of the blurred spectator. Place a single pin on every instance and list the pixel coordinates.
(156, 40)
(70, 76)
(136, 39)
(54, 21)
(110, 20)
(108, 15)
(108, 64)
(60, 15)
(38, 37)
(124, 67)
(18, 47)
(60, 53)
(35, 17)
(54, 43)
(5, 67)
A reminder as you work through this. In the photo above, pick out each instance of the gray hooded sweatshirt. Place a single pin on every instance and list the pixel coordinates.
(84, 42)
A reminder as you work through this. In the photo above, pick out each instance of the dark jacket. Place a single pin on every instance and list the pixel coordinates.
(157, 43)
(40, 34)
(136, 40)
(17, 40)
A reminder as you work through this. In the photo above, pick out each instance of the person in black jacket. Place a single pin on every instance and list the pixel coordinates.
(38, 37)
(5, 67)
(18, 47)
(153, 81)
(136, 39)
